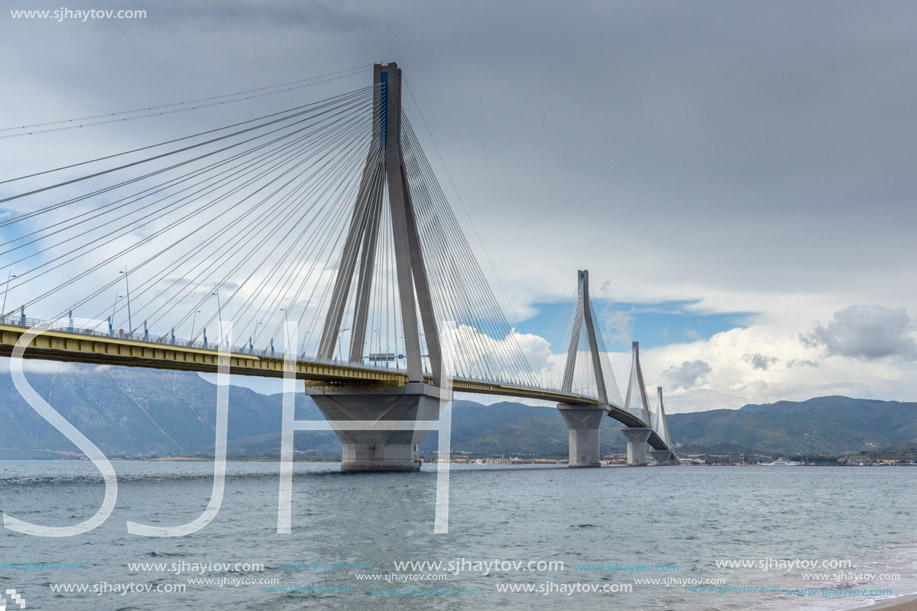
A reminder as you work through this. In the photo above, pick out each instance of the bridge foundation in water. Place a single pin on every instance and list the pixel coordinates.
(664, 457)
(636, 444)
(377, 448)
(584, 423)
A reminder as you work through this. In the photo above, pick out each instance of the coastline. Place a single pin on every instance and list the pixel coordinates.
(907, 602)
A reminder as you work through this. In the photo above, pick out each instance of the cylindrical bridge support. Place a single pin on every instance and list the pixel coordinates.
(584, 423)
(636, 444)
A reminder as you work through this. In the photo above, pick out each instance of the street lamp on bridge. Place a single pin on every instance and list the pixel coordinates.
(219, 312)
(115, 305)
(340, 331)
(130, 325)
(9, 277)
(193, 320)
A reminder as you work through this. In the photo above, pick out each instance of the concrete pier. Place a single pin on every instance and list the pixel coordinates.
(636, 444)
(380, 449)
(663, 457)
(584, 423)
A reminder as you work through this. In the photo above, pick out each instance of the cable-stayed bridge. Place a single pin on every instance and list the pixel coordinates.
(312, 242)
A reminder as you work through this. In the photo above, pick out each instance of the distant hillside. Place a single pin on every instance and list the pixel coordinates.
(824, 425)
(134, 412)
(144, 413)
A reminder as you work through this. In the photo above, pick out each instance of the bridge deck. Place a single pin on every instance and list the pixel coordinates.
(58, 345)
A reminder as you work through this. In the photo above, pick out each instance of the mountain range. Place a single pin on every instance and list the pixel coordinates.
(145, 413)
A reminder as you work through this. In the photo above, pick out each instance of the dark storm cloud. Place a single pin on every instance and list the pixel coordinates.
(753, 157)
(710, 146)
(315, 16)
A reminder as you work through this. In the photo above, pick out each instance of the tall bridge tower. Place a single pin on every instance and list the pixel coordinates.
(636, 403)
(420, 398)
(584, 420)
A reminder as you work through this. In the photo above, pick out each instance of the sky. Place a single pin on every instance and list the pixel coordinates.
(738, 177)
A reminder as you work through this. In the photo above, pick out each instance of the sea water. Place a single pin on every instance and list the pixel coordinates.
(610, 538)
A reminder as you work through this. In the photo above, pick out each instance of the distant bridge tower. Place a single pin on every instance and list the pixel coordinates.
(381, 450)
(584, 420)
(661, 426)
(636, 403)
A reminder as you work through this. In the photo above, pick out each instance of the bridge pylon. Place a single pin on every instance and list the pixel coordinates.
(379, 449)
(584, 420)
(636, 403)
(661, 426)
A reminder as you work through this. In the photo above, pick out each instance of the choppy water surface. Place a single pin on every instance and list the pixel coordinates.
(349, 530)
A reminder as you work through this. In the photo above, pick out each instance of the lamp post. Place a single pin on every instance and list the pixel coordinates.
(9, 277)
(193, 320)
(115, 305)
(111, 319)
(130, 325)
(282, 320)
(341, 356)
(219, 314)
(255, 335)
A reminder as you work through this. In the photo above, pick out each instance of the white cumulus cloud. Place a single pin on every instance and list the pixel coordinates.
(866, 332)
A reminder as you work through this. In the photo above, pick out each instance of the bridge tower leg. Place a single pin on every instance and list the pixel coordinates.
(636, 403)
(584, 420)
(636, 436)
(379, 449)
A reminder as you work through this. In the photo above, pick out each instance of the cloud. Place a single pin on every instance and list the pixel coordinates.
(760, 361)
(477, 355)
(713, 373)
(866, 333)
(688, 374)
(620, 324)
(702, 141)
